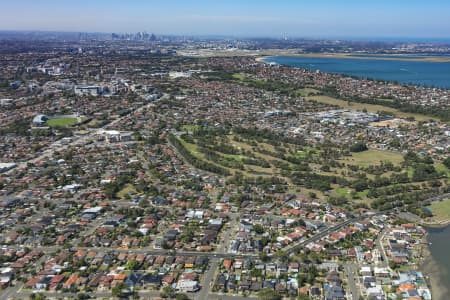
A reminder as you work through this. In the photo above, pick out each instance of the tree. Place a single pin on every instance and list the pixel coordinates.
(132, 265)
(446, 162)
(312, 195)
(144, 203)
(256, 272)
(264, 257)
(181, 296)
(358, 147)
(118, 290)
(423, 172)
(269, 294)
(393, 265)
(165, 245)
(37, 296)
(360, 185)
(258, 228)
(167, 292)
(83, 296)
(281, 255)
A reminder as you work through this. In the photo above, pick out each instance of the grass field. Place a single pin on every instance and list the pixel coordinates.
(443, 169)
(190, 128)
(342, 191)
(369, 107)
(306, 151)
(95, 123)
(347, 193)
(192, 149)
(239, 76)
(307, 92)
(126, 190)
(62, 122)
(440, 210)
(373, 157)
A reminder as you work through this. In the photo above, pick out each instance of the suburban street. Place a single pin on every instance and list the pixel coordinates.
(208, 280)
(380, 246)
(351, 272)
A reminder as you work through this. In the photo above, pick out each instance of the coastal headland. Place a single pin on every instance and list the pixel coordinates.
(262, 54)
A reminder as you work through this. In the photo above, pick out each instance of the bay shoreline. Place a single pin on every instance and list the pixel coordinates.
(433, 273)
(394, 57)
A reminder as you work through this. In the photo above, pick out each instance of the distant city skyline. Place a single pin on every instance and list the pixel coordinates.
(251, 18)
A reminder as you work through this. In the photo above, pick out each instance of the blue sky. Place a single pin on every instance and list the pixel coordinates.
(300, 18)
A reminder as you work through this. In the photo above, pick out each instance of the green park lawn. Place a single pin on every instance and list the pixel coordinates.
(442, 169)
(373, 157)
(62, 122)
(305, 92)
(128, 189)
(440, 210)
(239, 76)
(190, 128)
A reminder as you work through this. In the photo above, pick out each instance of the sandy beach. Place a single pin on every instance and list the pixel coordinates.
(261, 58)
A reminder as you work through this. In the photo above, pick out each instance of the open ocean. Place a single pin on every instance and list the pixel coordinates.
(424, 73)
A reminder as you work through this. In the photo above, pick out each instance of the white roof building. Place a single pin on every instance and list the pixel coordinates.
(187, 286)
(7, 166)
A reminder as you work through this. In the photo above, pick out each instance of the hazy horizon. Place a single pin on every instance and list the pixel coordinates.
(352, 19)
(412, 39)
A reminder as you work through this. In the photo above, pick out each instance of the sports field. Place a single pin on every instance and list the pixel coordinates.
(62, 122)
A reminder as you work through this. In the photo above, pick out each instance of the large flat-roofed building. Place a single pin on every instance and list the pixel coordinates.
(40, 120)
(6, 102)
(187, 286)
(93, 90)
(7, 166)
(113, 136)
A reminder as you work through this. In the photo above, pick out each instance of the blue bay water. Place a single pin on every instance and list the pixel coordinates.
(439, 248)
(424, 73)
